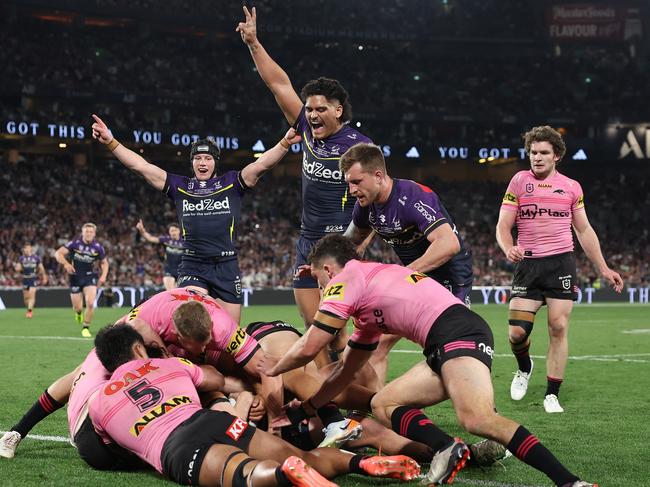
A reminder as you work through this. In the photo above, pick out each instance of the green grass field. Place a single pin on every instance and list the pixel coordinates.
(601, 436)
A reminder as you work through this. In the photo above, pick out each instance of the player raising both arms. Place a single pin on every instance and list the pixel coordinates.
(77, 258)
(29, 265)
(545, 205)
(173, 251)
(208, 208)
(321, 114)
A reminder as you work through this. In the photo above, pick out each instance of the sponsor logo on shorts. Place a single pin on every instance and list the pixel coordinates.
(157, 412)
(237, 428)
(334, 292)
(566, 281)
(486, 349)
(190, 466)
(333, 228)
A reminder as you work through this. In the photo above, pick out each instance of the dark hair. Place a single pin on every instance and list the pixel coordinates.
(114, 345)
(330, 89)
(548, 134)
(173, 225)
(334, 245)
(368, 155)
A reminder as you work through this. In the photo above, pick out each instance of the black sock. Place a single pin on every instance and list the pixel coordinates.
(411, 423)
(281, 477)
(553, 385)
(527, 448)
(329, 414)
(45, 406)
(355, 464)
(521, 354)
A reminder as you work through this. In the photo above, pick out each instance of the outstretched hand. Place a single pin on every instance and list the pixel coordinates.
(140, 226)
(101, 131)
(248, 28)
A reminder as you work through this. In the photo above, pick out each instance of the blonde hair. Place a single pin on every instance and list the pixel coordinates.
(89, 225)
(368, 155)
(193, 321)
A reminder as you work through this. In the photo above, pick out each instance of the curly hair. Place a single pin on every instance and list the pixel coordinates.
(330, 89)
(545, 133)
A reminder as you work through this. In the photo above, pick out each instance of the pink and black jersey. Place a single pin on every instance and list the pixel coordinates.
(326, 204)
(92, 375)
(144, 401)
(545, 211)
(385, 298)
(209, 212)
(227, 337)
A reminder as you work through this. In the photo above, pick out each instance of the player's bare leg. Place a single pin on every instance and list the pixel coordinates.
(89, 293)
(379, 358)
(77, 306)
(559, 311)
(169, 282)
(307, 300)
(468, 382)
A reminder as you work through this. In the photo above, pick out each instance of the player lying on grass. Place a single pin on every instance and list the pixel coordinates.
(458, 346)
(151, 408)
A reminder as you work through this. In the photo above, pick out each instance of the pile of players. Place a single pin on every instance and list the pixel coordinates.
(123, 401)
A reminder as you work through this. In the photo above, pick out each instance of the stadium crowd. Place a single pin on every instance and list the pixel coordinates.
(107, 194)
(426, 93)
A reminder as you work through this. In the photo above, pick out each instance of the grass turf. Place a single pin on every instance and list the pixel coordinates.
(600, 437)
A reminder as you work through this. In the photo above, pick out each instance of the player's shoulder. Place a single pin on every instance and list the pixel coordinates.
(569, 182)
(406, 187)
(350, 136)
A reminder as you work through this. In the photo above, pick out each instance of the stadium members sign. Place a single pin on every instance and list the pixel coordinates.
(607, 21)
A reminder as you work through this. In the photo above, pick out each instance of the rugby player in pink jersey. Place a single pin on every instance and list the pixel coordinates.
(197, 323)
(151, 407)
(458, 346)
(545, 205)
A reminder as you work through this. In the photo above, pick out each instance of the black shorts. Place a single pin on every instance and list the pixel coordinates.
(303, 248)
(102, 456)
(298, 436)
(458, 332)
(185, 448)
(546, 277)
(219, 277)
(259, 329)
(29, 283)
(78, 283)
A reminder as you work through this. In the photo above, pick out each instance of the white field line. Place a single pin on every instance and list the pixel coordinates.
(58, 439)
(591, 358)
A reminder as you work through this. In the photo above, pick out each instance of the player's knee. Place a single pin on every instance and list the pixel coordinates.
(236, 470)
(521, 325)
(475, 422)
(558, 327)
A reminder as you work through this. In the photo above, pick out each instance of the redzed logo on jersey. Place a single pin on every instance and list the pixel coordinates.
(237, 428)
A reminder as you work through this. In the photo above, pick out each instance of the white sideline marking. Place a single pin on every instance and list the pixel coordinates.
(58, 439)
(624, 357)
(637, 331)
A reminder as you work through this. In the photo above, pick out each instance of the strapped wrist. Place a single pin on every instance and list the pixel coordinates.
(285, 143)
(112, 145)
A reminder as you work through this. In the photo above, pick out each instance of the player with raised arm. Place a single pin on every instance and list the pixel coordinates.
(30, 266)
(151, 408)
(410, 218)
(77, 258)
(174, 249)
(457, 343)
(320, 114)
(545, 205)
(208, 208)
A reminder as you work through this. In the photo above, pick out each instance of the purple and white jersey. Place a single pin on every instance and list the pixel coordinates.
(29, 264)
(326, 204)
(83, 254)
(411, 213)
(208, 212)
